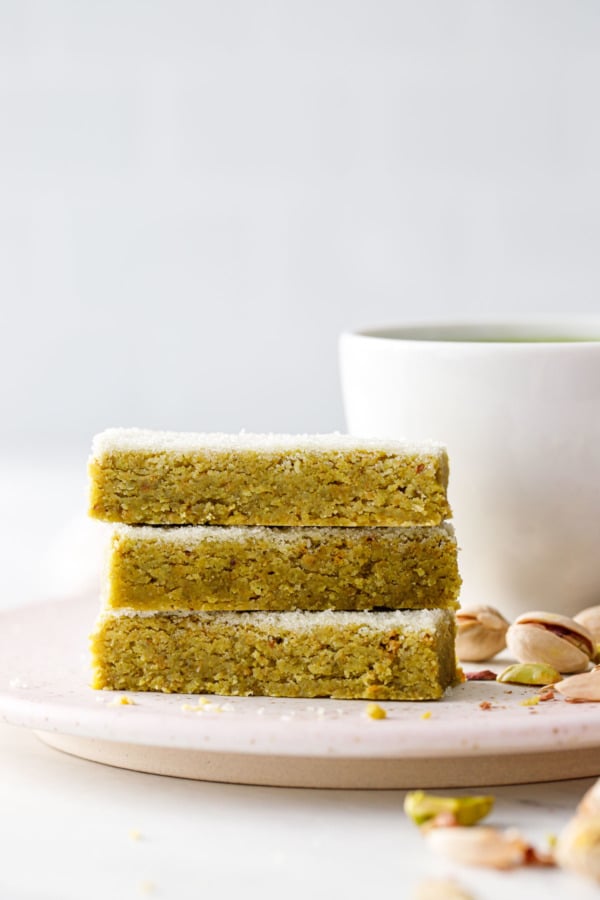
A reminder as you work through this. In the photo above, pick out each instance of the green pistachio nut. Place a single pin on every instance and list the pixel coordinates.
(422, 807)
(529, 673)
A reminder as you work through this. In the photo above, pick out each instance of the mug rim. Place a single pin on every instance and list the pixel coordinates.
(530, 331)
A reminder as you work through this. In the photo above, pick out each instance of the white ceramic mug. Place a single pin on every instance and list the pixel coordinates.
(518, 406)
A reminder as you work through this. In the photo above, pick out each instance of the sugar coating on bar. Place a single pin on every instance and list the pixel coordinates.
(266, 568)
(402, 655)
(172, 478)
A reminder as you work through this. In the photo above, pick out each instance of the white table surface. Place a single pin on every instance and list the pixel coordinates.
(66, 823)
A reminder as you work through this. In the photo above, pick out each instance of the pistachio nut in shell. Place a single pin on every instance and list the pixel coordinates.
(590, 802)
(481, 633)
(557, 641)
(578, 846)
(590, 619)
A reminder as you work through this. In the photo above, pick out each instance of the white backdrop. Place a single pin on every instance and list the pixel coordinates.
(196, 197)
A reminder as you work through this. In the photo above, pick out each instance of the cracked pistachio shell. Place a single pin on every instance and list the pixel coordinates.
(422, 807)
(557, 641)
(481, 633)
(578, 846)
(529, 673)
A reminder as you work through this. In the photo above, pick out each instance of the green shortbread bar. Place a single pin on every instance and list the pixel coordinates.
(170, 478)
(400, 655)
(209, 567)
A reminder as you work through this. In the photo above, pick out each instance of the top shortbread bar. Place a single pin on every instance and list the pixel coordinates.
(171, 478)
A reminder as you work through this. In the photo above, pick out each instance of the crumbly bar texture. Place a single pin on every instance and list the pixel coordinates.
(401, 655)
(209, 567)
(170, 478)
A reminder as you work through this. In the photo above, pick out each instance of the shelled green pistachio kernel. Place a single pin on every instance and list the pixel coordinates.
(422, 807)
(534, 674)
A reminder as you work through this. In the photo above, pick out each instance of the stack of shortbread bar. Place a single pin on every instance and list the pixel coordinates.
(313, 566)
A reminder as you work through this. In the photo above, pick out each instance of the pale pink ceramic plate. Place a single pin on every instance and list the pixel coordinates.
(44, 680)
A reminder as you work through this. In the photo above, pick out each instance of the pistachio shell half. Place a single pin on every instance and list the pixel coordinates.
(481, 633)
(557, 641)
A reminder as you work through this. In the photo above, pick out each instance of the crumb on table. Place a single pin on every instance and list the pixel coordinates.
(375, 711)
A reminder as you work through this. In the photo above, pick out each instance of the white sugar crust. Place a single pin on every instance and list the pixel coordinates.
(114, 440)
(193, 535)
(414, 621)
